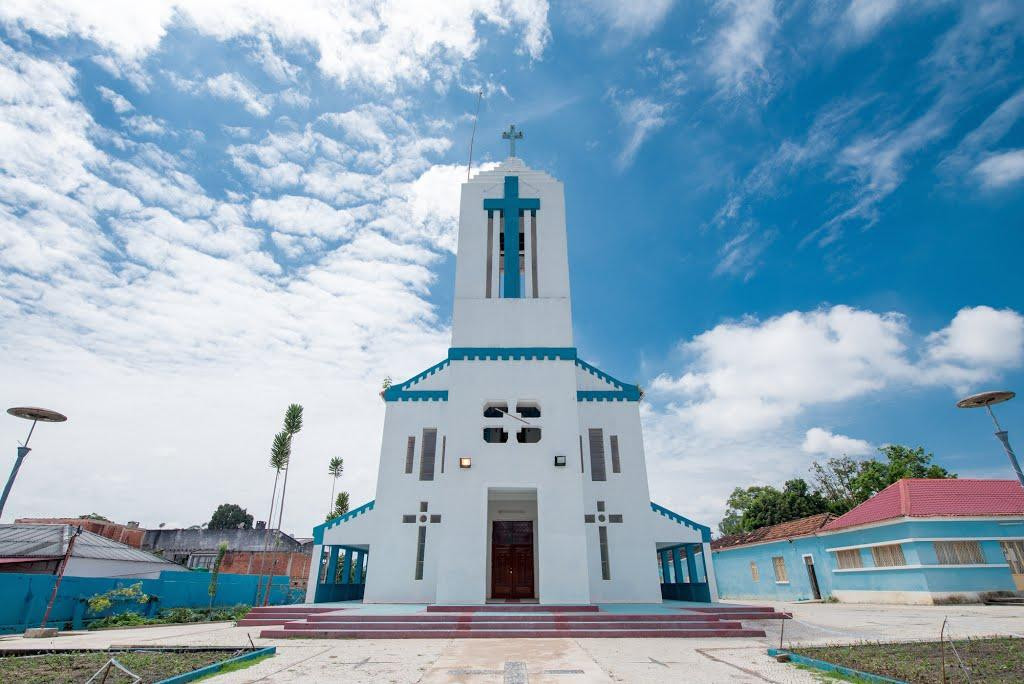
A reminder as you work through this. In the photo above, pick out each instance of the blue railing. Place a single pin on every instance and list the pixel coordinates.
(705, 531)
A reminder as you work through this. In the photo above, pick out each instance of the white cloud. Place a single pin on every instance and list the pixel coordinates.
(1001, 170)
(116, 100)
(820, 442)
(278, 68)
(738, 52)
(976, 344)
(863, 18)
(628, 20)
(734, 415)
(234, 87)
(153, 303)
(741, 255)
(379, 45)
(144, 124)
(642, 117)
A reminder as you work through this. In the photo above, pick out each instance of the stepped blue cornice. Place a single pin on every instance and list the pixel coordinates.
(404, 391)
(705, 531)
(512, 354)
(631, 394)
(318, 531)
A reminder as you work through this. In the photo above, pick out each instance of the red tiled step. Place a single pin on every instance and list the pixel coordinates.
(730, 608)
(512, 608)
(264, 622)
(292, 608)
(505, 634)
(507, 626)
(497, 617)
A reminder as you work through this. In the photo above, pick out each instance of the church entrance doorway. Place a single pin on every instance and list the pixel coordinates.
(512, 559)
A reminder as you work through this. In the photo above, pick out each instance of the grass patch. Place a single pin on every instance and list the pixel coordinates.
(73, 668)
(172, 616)
(234, 667)
(996, 660)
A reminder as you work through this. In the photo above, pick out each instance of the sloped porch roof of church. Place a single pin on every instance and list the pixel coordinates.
(617, 390)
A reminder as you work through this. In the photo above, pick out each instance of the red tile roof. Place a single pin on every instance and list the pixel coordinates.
(932, 498)
(786, 530)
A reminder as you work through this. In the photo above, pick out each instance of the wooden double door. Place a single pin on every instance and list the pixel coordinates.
(512, 559)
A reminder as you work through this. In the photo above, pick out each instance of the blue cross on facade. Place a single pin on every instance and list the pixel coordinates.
(510, 205)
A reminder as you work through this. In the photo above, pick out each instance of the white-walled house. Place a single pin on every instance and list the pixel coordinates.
(512, 469)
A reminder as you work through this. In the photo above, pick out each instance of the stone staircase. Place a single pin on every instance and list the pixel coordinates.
(506, 621)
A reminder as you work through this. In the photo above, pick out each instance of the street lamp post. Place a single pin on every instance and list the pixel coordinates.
(986, 399)
(36, 415)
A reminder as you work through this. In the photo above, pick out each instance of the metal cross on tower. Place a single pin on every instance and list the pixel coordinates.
(512, 135)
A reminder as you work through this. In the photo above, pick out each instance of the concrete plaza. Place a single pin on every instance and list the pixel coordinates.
(563, 661)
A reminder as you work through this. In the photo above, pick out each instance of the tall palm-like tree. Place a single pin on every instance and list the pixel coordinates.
(292, 425)
(334, 469)
(280, 454)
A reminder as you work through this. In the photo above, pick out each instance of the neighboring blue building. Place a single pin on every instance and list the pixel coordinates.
(917, 541)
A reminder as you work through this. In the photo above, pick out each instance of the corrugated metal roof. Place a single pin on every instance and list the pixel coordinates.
(51, 540)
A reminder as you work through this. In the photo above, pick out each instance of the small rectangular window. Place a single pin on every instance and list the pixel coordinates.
(528, 409)
(959, 553)
(428, 450)
(616, 466)
(849, 558)
(606, 571)
(490, 253)
(530, 435)
(421, 546)
(1014, 553)
(444, 444)
(755, 574)
(410, 454)
(597, 469)
(888, 556)
(495, 435)
(779, 565)
(408, 518)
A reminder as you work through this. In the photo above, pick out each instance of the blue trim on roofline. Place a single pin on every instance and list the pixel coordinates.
(512, 353)
(705, 531)
(402, 391)
(631, 394)
(318, 531)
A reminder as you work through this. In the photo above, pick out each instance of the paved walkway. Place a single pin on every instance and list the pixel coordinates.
(561, 661)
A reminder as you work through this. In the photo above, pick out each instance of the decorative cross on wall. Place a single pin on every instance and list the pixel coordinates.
(602, 517)
(421, 534)
(512, 135)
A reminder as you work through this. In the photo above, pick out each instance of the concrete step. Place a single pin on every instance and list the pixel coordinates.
(292, 608)
(263, 622)
(512, 608)
(507, 626)
(498, 617)
(506, 634)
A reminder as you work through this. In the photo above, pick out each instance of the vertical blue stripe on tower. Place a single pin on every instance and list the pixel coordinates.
(510, 205)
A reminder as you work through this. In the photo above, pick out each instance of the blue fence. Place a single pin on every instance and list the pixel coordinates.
(23, 596)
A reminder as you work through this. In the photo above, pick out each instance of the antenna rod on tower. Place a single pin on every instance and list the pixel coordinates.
(469, 167)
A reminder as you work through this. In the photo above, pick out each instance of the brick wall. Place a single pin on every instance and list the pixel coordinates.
(293, 564)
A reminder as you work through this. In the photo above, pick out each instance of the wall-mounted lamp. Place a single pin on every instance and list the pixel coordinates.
(465, 462)
(560, 461)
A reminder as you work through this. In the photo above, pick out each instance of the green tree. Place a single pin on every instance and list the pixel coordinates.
(280, 454)
(901, 462)
(222, 549)
(755, 507)
(230, 516)
(292, 426)
(834, 480)
(739, 501)
(93, 516)
(335, 468)
(340, 506)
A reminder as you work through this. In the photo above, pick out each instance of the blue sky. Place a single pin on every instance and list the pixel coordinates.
(795, 224)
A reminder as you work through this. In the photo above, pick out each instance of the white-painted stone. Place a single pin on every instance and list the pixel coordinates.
(511, 477)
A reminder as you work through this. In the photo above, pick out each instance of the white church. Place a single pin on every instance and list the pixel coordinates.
(512, 470)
